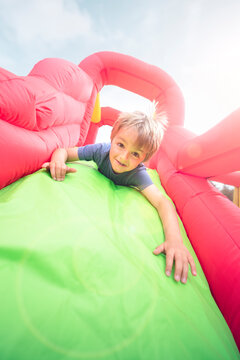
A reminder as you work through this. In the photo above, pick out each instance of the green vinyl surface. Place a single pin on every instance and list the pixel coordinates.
(79, 280)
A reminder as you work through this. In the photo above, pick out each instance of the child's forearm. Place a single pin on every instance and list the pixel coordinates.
(173, 245)
(168, 216)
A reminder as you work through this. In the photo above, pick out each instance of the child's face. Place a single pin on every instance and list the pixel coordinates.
(124, 154)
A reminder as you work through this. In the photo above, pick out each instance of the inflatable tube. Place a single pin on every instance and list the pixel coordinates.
(214, 153)
(151, 82)
(40, 112)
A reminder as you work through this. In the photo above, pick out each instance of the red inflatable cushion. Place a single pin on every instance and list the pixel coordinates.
(65, 77)
(35, 105)
(17, 103)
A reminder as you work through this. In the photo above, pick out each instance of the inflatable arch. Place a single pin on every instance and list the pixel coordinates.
(52, 107)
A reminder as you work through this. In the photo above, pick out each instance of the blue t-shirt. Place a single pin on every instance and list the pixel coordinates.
(99, 153)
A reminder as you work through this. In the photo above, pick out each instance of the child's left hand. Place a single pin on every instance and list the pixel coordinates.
(176, 251)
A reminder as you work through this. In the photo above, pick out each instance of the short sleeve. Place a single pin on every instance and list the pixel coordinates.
(91, 152)
(140, 179)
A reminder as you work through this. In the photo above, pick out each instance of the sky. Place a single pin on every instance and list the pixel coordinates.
(194, 41)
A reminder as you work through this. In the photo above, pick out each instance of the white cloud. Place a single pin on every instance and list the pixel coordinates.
(196, 42)
(46, 21)
(150, 20)
(4, 59)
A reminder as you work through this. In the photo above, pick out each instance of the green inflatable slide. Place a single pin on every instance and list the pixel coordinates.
(79, 279)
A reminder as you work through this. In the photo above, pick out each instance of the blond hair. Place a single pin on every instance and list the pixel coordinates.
(150, 128)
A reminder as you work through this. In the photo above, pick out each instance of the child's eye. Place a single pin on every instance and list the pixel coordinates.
(120, 145)
(135, 154)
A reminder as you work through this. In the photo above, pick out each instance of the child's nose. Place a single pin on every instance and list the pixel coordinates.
(125, 155)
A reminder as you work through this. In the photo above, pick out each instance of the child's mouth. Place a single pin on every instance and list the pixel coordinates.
(120, 163)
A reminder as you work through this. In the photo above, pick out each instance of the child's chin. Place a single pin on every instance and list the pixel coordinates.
(119, 170)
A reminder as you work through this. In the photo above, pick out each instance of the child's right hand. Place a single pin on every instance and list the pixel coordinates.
(58, 169)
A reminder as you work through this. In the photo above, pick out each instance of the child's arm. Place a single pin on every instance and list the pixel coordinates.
(173, 245)
(57, 166)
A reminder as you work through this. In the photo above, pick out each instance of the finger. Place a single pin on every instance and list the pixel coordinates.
(60, 169)
(184, 273)
(192, 265)
(62, 172)
(71, 170)
(52, 170)
(159, 249)
(45, 165)
(178, 267)
(65, 170)
(169, 263)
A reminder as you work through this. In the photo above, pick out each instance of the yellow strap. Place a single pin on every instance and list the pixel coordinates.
(236, 196)
(96, 115)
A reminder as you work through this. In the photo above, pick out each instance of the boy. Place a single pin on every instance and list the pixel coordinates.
(135, 138)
